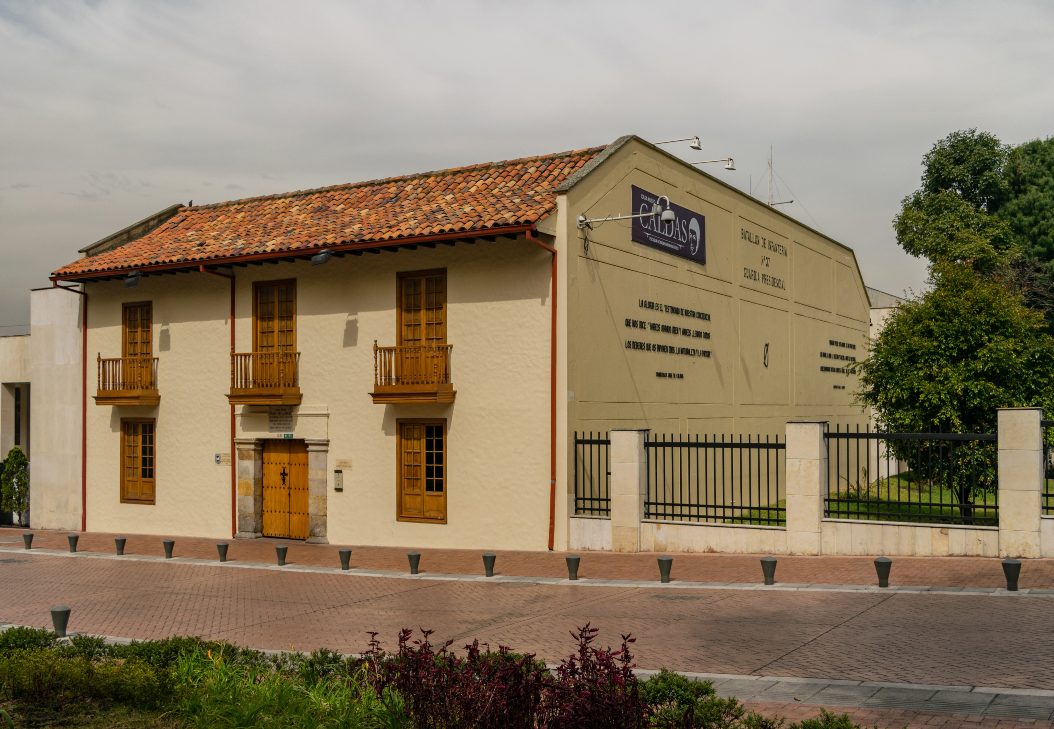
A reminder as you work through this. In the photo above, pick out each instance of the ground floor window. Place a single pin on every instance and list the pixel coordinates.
(421, 470)
(138, 451)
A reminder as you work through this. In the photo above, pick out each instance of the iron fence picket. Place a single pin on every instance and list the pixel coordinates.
(943, 478)
(592, 473)
(1047, 429)
(727, 484)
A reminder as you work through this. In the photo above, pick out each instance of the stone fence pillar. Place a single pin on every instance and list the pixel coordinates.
(1020, 481)
(806, 485)
(629, 484)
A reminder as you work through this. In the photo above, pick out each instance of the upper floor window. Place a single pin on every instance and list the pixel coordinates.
(274, 316)
(136, 332)
(422, 308)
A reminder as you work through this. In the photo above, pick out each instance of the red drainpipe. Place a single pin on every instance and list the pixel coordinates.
(234, 457)
(552, 390)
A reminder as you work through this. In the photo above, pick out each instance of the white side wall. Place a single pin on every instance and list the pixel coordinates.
(55, 426)
(14, 368)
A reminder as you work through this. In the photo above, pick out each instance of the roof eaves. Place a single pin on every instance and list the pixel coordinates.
(131, 232)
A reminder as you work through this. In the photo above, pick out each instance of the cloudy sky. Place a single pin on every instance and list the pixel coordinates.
(113, 109)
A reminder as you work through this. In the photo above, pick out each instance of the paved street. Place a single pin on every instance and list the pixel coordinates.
(957, 637)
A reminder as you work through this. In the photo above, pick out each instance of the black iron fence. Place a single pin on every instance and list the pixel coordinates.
(716, 479)
(1048, 466)
(941, 478)
(592, 474)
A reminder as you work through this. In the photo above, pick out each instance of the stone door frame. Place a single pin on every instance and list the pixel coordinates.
(250, 488)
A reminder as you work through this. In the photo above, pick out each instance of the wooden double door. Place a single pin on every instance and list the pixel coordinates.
(285, 492)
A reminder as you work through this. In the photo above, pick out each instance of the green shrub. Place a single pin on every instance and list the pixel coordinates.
(215, 692)
(89, 647)
(677, 701)
(827, 720)
(16, 639)
(50, 677)
(14, 484)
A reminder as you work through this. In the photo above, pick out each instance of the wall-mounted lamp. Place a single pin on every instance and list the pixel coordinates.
(321, 257)
(665, 215)
(693, 142)
(730, 164)
(132, 279)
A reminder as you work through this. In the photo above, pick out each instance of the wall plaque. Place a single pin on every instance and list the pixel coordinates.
(684, 237)
(280, 419)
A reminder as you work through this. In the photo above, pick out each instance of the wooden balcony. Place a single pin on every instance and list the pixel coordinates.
(265, 378)
(127, 381)
(413, 375)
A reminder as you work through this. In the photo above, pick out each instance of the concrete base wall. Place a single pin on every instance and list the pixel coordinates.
(837, 538)
(667, 537)
(852, 537)
(589, 533)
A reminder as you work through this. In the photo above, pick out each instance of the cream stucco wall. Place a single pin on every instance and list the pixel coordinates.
(56, 387)
(732, 391)
(191, 342)
(497, 429)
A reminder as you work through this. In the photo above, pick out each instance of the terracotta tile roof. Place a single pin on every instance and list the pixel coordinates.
(470, 199)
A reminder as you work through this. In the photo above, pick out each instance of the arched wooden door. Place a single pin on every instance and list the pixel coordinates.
(285, 489)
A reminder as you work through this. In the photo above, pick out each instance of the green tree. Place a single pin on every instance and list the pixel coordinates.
(1030, 213)
(14, 483)
(1029, 208)
(946, 362)
(950, 217)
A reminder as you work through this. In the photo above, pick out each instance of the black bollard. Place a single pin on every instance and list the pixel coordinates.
(168, 544)
(414, 558)
(882, 567)
(488, 564)
(1012, 571)
(221, 550)
(573, 561)
(72, 539)
(345, 559)
(60, 618)
(768, 570)
(119, 543)
(280, 553)
(27, 540)
(665, 563)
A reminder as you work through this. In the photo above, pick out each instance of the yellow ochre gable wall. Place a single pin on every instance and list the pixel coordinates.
(497, 429)
(767, 280)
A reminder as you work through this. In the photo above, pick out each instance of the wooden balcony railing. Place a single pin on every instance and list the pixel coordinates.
(265, 378)
(127, 381)
(413, 374)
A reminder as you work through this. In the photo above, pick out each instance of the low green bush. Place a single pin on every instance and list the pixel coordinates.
(218, 693)
(184, 681)
(51, 678)
(14, 639)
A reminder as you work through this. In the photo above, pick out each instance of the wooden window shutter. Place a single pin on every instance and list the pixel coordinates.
(137, 335)
(138, 461)
(422, 470)
(274, 315)
(422, 308)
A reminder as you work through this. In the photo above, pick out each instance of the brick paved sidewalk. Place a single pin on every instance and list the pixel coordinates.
(821, 642)
(719, 568)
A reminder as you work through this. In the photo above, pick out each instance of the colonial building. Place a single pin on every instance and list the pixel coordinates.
(404, 361)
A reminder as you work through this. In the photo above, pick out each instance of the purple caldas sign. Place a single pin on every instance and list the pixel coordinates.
(684, 237)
